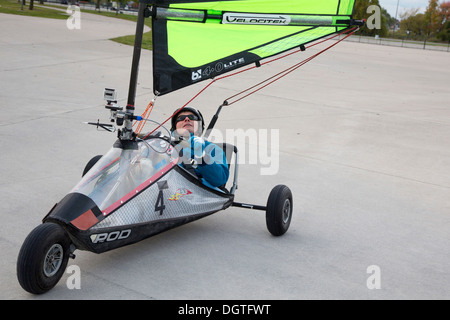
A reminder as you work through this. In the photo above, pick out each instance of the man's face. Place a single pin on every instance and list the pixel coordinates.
(186, 125)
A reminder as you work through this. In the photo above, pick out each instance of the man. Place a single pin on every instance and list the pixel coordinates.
(206, 159)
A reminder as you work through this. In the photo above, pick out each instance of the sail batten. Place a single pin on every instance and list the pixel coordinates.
(251, 18)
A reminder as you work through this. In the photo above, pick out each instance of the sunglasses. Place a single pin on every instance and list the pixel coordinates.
(189, 116)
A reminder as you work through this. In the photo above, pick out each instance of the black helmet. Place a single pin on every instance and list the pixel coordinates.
(190, 109)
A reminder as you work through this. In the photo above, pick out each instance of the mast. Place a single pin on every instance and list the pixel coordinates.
(136, 56)
(126, 134)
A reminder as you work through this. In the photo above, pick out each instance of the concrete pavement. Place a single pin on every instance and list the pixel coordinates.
(364, 147)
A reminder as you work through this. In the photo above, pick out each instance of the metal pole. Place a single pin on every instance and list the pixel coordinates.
(136, 56)
(395, 19)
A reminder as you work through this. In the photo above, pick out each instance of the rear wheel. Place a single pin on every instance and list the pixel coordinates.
(279, 210)
(43, 258)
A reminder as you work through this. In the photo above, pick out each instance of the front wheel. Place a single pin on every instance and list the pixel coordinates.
(43, 258)
(279, 210)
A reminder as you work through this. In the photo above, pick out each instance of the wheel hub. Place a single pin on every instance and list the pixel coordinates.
(286, 210)
(53, 260)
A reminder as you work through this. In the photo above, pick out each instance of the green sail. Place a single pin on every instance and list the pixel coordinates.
(199, 40)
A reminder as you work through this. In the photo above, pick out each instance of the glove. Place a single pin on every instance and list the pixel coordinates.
(191, 151)
(197, 147)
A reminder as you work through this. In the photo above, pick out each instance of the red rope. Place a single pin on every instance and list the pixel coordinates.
(351, 31)
(276, 76)
(285, 72)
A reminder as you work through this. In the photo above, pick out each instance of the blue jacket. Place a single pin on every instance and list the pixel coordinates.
(211, 161)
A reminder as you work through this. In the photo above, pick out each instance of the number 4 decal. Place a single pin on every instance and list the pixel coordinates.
(159, 205)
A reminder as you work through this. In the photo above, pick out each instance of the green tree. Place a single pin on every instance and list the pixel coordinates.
(444, 35)
(413, 24)
(444, 12)
(390, 21)
(432, 18)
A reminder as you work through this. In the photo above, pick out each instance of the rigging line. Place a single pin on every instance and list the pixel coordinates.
(277, 77)
(350, 32)
(354, 29)
(312, 45)
(295, 66)
(145, 116)
(284, 72)
(176, 111)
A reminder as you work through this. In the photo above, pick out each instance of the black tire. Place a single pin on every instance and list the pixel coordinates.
(90, 164)
(279, 210)
(43, 258)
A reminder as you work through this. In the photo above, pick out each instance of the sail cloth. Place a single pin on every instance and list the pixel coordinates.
(199, 40)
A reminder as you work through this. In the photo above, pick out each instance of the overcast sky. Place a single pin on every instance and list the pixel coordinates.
(391, 5)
